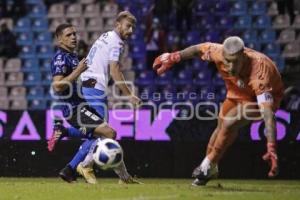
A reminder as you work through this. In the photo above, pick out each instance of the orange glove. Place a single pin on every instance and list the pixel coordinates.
(165, 61)
(271, 158)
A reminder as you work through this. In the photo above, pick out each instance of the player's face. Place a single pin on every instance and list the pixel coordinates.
(233, 62)
(126, 28)
(68, 39)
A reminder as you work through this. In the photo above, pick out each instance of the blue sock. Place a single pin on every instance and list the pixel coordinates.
(81, 153)
(74, 132)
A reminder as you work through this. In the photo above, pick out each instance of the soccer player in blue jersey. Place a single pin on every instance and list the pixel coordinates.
(85, 121)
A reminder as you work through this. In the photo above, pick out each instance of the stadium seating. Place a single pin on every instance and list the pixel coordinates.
(18, 104)
(56, 11)
(291, 51)
(239, 8)
(287, 35)
(164, 79)
(14, 79)
(296, 23)
(213, 21)
(13, 65)
(262, 22)
(258, 8)
(17, 92)
(281, 22)
(25, 38)
(23, 25)
(184, 77)
(202, 78)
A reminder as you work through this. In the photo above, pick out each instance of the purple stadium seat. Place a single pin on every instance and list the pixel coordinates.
(239, 8)
(212, 36)
(25, 38)
(23, 25)
(267, 36)
(225, 22)
(27, 51)
(221, 8)
(262, 22)
(183, 77)
(272, 49)
(218, 80)
(249, 36)
(145, 78)
(164, 79)
(243, 22)
(203, 77)
(30, 65)
(258, 8)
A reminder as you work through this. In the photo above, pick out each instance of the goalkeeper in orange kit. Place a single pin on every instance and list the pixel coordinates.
(254, 91)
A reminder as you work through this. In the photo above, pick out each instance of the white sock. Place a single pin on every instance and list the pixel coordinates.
(205, 166)
(88, 161)
(121, 171)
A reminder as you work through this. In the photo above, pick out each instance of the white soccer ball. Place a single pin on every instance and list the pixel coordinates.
(108, 153)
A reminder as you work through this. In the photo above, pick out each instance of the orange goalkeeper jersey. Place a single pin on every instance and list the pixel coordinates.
(259, 75)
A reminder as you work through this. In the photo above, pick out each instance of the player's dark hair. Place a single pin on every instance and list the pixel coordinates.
(60, 28)
(126, 15)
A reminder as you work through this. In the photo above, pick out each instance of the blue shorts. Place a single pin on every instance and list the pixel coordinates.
(97, 100)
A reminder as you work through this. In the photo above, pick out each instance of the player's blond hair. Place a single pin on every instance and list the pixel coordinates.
(126, 15)
(233, 44)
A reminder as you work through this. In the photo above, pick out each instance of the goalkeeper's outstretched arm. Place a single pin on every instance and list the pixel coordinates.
(190, 52)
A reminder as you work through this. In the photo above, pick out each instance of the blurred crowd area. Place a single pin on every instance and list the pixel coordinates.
(27, 44)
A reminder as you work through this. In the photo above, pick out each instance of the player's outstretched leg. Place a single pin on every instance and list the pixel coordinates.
(85, 168)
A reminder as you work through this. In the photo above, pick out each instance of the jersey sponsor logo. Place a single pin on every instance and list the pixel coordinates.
(59, 62)
(116, 52)
(58, 70)
(75, 62)
(265, 97)
(268, 96)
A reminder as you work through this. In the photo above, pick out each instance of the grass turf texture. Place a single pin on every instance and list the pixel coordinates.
(160, 189)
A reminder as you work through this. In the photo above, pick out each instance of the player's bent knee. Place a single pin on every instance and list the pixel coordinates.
(112, 133)
(105, 131)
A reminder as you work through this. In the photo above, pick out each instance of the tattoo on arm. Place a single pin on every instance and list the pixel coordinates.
(270, 123)
(189, 52)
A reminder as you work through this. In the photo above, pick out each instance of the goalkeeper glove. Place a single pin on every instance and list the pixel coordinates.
(165, 61)
(271, 158)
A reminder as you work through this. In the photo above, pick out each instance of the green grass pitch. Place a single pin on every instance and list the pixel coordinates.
(152, 189)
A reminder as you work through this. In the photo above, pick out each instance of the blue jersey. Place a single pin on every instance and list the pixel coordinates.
(63, 64)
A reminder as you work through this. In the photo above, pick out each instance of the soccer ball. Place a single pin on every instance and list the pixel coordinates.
(108, 153)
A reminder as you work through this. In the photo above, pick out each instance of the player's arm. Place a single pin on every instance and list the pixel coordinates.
(269, 119)
(165, 61)
(265, 102)
(61, 83)
(119, 79)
